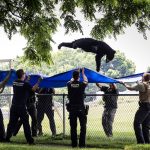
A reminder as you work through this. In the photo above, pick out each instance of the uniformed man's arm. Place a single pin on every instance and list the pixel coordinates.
(85, 80)
(130, 87)
(2, 84)
(53, 90)
(102, 87)
(99, 85)
(36, 86)
(2, 89)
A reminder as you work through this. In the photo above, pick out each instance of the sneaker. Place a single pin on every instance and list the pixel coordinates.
(2, 140)
(7, 140)
(31, 143)
(82, 146)
(74, 146)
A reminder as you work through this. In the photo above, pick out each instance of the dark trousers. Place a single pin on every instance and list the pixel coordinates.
(142, 124)
(41, 110)
(33, 114)
(2, 128)
(17, 112)
(73, 124)
(107, 120)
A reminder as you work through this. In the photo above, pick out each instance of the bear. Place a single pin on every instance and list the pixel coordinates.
(99, 48)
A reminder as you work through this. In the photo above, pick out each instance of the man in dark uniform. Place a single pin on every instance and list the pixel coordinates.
(2, 128)
(76, 107)
(18, 109)
(45, 106)
(99, 48)
(31, 108)
(110, 106)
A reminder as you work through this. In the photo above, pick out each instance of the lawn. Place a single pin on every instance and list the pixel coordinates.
(48, 143)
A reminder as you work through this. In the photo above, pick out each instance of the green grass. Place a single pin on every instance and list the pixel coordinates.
(26, 147)
(96, 142)
(138, 147)
(63, 143)
(38, 147)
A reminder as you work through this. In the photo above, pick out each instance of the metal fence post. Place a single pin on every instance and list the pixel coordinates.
(64, 125)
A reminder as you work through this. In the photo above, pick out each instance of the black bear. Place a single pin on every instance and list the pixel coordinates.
(100, 48)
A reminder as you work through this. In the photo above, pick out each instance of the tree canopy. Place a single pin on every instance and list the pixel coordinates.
(38, 20)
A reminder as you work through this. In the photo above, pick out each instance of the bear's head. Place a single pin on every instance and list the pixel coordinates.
(110, 56)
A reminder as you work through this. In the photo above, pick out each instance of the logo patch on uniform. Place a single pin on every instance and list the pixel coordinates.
(74, 85)
(18, 84)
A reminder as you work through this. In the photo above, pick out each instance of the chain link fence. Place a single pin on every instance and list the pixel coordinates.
(122, 126)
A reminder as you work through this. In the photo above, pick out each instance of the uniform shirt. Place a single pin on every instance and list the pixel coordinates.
(110, 100)
(76, 92)
(144, 91)
(45, 99)
(21, 91)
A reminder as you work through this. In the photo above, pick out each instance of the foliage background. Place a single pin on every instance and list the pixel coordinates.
(38, 20)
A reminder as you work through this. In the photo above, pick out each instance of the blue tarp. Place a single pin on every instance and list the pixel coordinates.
(131, 78)
(60, 80)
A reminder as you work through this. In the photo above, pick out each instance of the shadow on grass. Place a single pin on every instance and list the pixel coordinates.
(91, 142)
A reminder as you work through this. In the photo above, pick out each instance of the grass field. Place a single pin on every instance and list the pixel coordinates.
(49, 143)
(123, 130)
